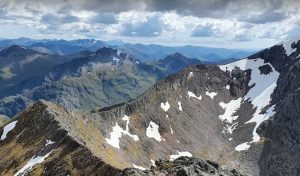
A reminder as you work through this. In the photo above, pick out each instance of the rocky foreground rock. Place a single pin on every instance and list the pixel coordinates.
(183, 166)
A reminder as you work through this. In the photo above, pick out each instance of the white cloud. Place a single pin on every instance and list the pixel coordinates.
(156, 21)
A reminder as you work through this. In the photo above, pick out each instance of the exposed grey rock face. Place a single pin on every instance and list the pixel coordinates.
(183, 166)
(281, 153)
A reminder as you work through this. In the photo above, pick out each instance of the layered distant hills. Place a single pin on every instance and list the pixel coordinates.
(79, 81)
(139, 51)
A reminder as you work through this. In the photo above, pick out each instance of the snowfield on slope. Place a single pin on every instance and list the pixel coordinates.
(243, 146)
(117, 133)
(259, 95)
(9, 127)
(179, 154)
(230, 108)
(165, 106)
(191, 94)
(211, 94)
(179, 106)
(152, 131)
(287, 45)
(138, 167)
(31, 163)
(49, 142)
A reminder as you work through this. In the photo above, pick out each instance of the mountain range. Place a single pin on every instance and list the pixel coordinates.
(205, 54)
(242, 115)
(140, 51)
(79, 81)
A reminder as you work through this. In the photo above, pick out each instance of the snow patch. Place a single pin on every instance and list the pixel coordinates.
(9, 127)
(243, 146)
(117, 60)
(117, 133)
(258, 119)
(165, 106)
(119, 52)
(171, 130)
(287, 45)
(49, 142)
(185, 153)
(152, 131)
(227, 87)
(230, 108)
(230, 128)
(260, 94)
(191, 94)
(138, 167)
(31, 163)
(229, 67)
(179, 106)
(191, 74)
(211, 94)
(152, 162)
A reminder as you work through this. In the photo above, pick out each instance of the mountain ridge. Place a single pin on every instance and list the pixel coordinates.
(89, 79)
(141, 51)
(249, 107)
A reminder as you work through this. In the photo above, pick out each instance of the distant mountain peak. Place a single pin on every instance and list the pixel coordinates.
(15, 49)
(178, 57)
(106, 50)
(113, 53)
(177, 54)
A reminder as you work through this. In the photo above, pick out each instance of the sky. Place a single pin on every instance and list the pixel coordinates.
(247, 24)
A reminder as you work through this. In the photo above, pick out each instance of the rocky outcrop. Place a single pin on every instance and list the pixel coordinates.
(183, 166)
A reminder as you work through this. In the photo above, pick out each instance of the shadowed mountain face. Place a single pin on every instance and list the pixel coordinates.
(242, 115)
(173, 63)
(63, 47)
(90, 79)
(18, 64)
(56, 47)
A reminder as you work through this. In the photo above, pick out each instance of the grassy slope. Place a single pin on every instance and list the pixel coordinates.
(3, 120)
